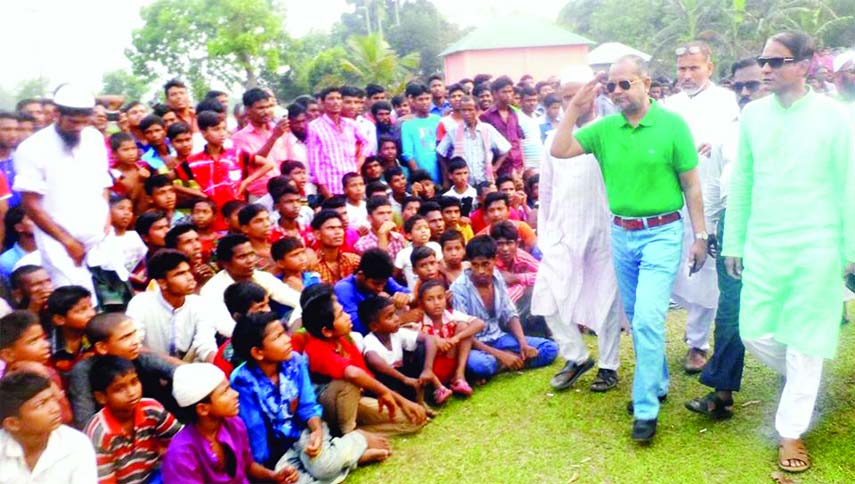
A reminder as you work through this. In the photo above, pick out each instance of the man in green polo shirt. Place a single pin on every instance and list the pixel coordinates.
(649, 163)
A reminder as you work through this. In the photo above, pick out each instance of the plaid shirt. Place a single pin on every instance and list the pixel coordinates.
(346, 265)
(466, 299)
(525, 266)
(333, 150)
(369, 241)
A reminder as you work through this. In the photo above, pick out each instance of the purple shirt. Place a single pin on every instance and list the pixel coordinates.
(333, 151)
(191, 459)
(512, 132)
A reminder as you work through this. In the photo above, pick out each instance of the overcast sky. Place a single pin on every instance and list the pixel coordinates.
(79, 40)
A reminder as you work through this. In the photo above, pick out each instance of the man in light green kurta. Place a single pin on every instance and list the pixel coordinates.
(791, 220)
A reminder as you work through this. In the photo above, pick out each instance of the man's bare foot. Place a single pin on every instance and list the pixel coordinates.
(431, 413)
(375, 441)
(371, 456)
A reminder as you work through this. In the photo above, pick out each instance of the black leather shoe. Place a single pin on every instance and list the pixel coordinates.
(568, 375)
(630, 408)
(643, 430)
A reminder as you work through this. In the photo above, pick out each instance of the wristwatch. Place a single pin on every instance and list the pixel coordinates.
(702, 236)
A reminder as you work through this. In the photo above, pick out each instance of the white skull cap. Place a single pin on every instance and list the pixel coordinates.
(844, 59)
(73, 97)
(577, 73)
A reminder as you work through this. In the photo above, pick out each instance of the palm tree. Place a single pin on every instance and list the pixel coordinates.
(370, 59)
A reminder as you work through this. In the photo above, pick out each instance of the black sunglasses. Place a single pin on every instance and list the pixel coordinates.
(624, 85)
(774, 62)
(750, 85)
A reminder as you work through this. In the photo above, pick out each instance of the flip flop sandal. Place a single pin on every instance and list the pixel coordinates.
(460, 387)
(712, 406)
(793, 449)
(441, 395)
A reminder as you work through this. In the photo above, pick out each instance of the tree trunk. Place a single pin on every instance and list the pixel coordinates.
(251, 77)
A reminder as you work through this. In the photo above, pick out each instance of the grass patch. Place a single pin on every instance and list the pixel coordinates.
(516, 429)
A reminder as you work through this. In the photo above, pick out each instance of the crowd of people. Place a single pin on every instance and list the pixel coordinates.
(194, 294)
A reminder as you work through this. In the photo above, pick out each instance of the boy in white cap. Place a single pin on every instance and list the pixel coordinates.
(213, 447)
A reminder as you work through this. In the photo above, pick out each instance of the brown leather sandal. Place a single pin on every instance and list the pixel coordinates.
(793, 450)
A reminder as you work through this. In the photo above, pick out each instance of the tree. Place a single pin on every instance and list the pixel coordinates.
(124, 83)
(33, 88)
(370, 59)
(201, 40)
(423, 29)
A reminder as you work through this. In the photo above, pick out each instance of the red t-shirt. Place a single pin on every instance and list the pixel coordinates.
(221, 178)
(329, 358)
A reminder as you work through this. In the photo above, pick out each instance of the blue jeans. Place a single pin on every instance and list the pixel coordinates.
(646, 263)
(481, 365)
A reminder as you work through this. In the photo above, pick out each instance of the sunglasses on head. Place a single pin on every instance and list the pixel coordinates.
(624, 85)
(774, 62)
(750, 85)
(692, 49)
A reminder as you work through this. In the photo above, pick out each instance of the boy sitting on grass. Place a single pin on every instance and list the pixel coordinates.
(36, 446)
(418, 232)
(129, 432)
(392, 353)
(453, 252)
(279, 408)
(337, 366)
(213, 446)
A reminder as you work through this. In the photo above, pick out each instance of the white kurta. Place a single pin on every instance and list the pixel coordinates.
(576, 278)
(711, 116)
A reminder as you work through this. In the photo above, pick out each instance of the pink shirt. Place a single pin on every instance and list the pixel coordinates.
(251, 139)
(333, 151)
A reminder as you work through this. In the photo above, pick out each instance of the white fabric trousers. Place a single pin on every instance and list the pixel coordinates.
(571, 345)
(698, 325)
(802, 373)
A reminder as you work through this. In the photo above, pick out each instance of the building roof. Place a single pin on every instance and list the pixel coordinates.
(515, 32)
(610, 52)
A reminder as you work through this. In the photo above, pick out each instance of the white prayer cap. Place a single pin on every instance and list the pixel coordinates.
(194, 381)
(577, 74)
(844, 59)
(73, 97)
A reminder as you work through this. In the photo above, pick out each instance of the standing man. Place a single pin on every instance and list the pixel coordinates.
(505, 120)
(418, 134)
(334, 145)
(711, 112)
(178, 101)
(723, 372)
(439, 105)
(649, 163)
(63, 178)
(576, 283)
(262, 136)
(531, 145)
(791, 226)
(8, 142)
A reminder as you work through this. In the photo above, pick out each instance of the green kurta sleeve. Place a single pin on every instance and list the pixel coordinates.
(739, 195)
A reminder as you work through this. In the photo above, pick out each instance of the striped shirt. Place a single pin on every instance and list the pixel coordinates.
(333, 151)
(130, 459)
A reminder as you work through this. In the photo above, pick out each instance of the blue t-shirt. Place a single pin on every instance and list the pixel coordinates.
(418, 140)
(9, 258)
(349, 296)
(8, 169)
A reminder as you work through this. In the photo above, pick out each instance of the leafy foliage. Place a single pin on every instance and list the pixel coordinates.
(123, 82)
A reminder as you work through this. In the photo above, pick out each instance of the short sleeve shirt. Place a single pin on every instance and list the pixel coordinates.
(641, 165)
(402, 340)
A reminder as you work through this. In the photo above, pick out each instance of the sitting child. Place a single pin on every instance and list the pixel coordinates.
(291, 260)
(422, 185)
(241, 298)
(213, 446)
(418, 232)
(32, 434)
(453, 253)
(454, 332)
(425, 266)
(279, 408)
(385, 355)
(121, 215)
(451, 215)
(161, 192)
(337, 365)
(129, 432)
(70, 309)
(202, 216)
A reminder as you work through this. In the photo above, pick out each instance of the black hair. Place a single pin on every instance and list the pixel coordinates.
(306, 99)
(26, 102)
(447, 201)
(397, 101)
(494, 197)
(295, 110)
(146, 220)
(800, 44)
(480, 89)
(320, 219)
(161, 109)
(253, 95)
(428, 207)
(376, 202)
(500, 83)
(372, 89)
(177, 128)
(249, 212)
(207, 201)
(436, 77)
(157, 180)
(430, 284)
(457, 163)
(210, 104)
(173, 83)
(226, 246)
(13, 325)
(481, 246)
(742, 64)
(63, 298)
(279, 191)
(380, 106)
(368, 160)
(115, 198)
(375, 188)
(370, 307)
(335, 201)
(451, 235)
(8, 115)
(411, 222)
(504, 179)
(116, 140)
(290, 165)
(105, 369)
(386, 138)
(318, 309)
(231, 207)
(482, 187)
(415, 89)
(376, 264)
(349, 176)
(465, 80)
(351, 91)
(540, 85)
(151, 120)
(505, 230)
(455, 87)
(17, 389)
(207, 119)
(327, 91)
(551, 99)
(102, 326)
(249, 334)
(172, 236)
(16, 279)
(419, 254)
(390, 173)
(130, 105)
(527, 91)
(163, 261)
(13, 217)
(410, 199)
(417, 176)
(240, 296)
(285, 246)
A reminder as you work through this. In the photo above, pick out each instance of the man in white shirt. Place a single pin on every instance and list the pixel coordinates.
(238, 259)
(172, 320)
(61, 173)
(711, 113)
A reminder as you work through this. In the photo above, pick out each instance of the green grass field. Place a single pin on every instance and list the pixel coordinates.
(516, 429)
